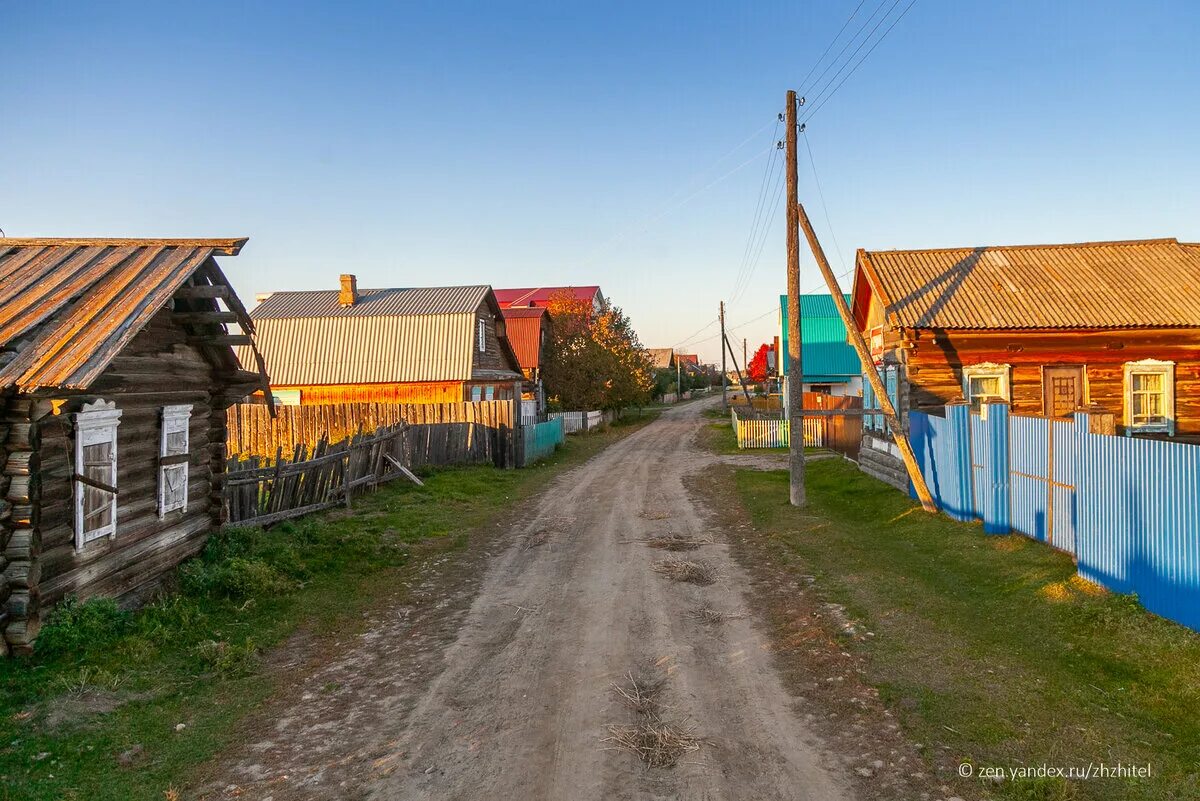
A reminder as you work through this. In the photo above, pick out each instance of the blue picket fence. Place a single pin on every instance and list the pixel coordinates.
(1127, 509)
(541, 439)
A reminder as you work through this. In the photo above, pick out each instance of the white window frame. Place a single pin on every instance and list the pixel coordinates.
(175, 420)
(1151, 367)
(96, 423)
(988, 370)
(482, 336)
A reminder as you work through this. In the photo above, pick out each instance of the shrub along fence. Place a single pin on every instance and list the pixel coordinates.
(480, 432)
(258, 492)
(1125, 508)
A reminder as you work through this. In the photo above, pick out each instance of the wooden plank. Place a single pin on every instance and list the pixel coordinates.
(207, 291)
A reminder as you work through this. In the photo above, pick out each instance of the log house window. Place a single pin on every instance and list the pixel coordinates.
(482, 336)
(174, 450)
(1150, 397)
(988, 380)
(95, 478)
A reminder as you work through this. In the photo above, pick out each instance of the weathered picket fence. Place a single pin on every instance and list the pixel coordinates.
(773, 432)
(259, 492)
(576, 422)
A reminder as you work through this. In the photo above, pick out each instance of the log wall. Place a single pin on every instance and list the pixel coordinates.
(158, 368)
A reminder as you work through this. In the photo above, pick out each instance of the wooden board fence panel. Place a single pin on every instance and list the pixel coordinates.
(480, 432)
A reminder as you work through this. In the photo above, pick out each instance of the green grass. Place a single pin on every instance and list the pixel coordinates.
(988, 644)
(105, 682)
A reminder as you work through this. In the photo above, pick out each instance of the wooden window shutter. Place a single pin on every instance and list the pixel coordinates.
(174, 452)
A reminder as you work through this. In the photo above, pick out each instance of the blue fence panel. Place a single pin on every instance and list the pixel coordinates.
(1138, 507)
(1029, 439)
(1063, 455)
(541, 439)
(941, 447)
(978, 432)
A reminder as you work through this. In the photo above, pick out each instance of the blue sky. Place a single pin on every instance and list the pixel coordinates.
(561, 142)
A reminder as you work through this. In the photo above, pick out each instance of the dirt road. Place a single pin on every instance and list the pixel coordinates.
(515, 700)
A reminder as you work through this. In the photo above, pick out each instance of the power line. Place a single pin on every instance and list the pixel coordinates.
(821, 195)
(755, 222)
(832, 42)
(817, 108)
(765, 236)
(845, 47)
(704, 328)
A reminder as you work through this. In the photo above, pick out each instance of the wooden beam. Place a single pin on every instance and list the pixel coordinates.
(202, 292)
(205, 317)
(221, 339)
(864, 355)
(227, 247)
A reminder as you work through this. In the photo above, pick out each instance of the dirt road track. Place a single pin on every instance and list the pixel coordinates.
(518, 704)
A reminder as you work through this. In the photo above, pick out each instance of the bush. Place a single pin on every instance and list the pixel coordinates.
(226, 659)
(74, 627)
(237, 578)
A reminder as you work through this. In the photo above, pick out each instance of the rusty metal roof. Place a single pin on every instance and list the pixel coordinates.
(374, 302)
(69, 306)
(523, 327)
(542, 295)
(388, 336)
(1130, 284)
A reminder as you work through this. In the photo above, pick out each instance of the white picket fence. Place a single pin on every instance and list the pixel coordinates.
(575, 422)
(775, 433)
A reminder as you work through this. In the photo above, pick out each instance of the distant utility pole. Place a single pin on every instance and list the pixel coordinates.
(795, 395)
(744, 361)
(678, 385)
(724, 370)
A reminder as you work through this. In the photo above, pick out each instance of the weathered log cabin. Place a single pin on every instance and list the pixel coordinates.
(410, 345)
(116, 366)
(1047, 328)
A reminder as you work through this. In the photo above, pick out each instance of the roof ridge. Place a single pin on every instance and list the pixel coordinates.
(1043, 246)
(227, 245)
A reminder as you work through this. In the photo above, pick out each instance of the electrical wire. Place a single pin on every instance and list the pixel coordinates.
(821, 195)
(822, 102)
(842, 52)
(832, 42)
(756, 221)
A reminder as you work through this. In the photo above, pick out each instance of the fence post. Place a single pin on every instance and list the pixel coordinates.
(995, 491)
(958, 419)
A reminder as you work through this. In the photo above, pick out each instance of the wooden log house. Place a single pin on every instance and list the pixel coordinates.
(402, 345)
(116, 367)
(1047, 328)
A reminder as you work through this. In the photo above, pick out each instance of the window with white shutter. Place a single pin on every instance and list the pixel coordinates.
(173, 455)
(95, 476)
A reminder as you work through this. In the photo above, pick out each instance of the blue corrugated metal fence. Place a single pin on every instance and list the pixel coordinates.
(1127, 509)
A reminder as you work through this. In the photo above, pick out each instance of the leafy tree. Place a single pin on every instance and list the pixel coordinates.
(594, 359)
(757, 369)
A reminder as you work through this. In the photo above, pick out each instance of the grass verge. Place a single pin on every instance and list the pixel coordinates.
(119, 705)
(989, 647)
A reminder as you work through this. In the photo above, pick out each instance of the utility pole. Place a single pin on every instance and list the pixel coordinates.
(678, 385)
(724, 370)
(795, 394)
(744, 360)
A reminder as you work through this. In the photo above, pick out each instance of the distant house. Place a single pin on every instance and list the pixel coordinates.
(831, 365)
(690, 362)
(661, 358)
(540, 297)
(528, 331)
(116, 368)
(1047, 328)
(404, 345)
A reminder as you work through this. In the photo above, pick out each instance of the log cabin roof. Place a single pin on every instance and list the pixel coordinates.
(1152, 283)
(69, 306)
(398, 335)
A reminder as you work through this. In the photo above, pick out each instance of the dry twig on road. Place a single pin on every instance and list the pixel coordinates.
(641, 695)
(657, 743)
(686, 570)
(714, 616)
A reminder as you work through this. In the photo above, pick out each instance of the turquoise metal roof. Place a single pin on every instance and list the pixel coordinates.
(828, 357)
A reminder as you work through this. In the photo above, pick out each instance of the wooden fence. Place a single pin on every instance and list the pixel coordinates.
(260, 492)
(577, 422)
(480, 432)
(774, 433)
(766, 428)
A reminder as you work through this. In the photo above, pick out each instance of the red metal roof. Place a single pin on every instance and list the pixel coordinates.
(690, 358)
(524, 330)
(540, 295)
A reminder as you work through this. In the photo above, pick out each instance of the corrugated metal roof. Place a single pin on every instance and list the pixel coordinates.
(1130, 284)
(540, 295)
(660, 358)
(825, 354)
(69, 306)
(373, 302)
(367, 350)
(524, 330)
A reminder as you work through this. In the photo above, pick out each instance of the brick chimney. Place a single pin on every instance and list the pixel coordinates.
(348, 295)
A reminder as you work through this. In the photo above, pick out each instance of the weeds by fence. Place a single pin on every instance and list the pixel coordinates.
(258, 492)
